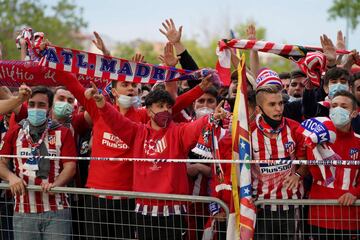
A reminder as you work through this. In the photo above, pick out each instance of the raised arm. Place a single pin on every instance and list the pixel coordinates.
(99, 43)
(169, 59)
(12, 103)
(329, 50)
(23, 49)
(310, 106)
(173, 35)
(190, 132)
(340, 45)
(187, 98)
(254, 56)
(70, 81)
(120, 125)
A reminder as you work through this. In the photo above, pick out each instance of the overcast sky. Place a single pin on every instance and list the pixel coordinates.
(294, 22)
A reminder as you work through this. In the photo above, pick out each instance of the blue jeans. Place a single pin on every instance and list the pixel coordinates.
(54, 225)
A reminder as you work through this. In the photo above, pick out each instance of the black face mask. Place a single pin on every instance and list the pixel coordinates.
(274, 124)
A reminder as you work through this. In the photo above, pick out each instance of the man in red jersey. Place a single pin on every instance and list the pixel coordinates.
(160, 138)
(113, 175)
(39, 136)
(274, 137)
(342, 182)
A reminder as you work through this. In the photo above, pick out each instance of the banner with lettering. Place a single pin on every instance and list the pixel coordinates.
(107, 67)
(14, 73)
(89, 67)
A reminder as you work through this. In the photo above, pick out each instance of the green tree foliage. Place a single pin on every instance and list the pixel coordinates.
(60, 22)
(348, 9)
(128, 50)
(124, 50)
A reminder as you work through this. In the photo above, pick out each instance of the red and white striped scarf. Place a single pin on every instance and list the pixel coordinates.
(319, 132)
(311, 62)
(207, 146)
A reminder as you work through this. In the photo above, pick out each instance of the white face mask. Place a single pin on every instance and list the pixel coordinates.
(127, 101)
(200, 112)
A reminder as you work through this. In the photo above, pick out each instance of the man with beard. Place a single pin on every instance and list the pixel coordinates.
(39, 215)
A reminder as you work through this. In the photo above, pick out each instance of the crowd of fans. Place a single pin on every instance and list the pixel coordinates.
(165, 121)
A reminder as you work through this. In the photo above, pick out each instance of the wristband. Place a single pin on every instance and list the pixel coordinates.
(298, 174)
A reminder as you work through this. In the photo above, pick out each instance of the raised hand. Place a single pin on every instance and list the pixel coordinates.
(328, 49)
(251, 32)
(169, 58)
(206, 82)
(170, 32)
(93, 93)
(24, 93)
(99, 43)
(138, 57)
(44, 44)
(352, 58)
(340, 41)
(220, 112)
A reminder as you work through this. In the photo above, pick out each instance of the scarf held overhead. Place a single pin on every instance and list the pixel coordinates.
(293, 52)
(111, 68)
(14, 73)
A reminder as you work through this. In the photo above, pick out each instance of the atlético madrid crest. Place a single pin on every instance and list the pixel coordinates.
(52, 140)
(354, 153)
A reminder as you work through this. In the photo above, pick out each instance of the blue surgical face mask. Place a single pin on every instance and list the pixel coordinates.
(339, 116)
(333, 88)
(63, 109)
(37, 116)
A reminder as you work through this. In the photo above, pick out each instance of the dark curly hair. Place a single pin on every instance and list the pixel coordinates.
(158, 96)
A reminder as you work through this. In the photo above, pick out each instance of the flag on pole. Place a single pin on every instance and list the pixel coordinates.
(242, 219)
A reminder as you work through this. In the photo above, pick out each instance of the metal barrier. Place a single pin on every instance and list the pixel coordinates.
(108, 214)
(308, 219)
(96, 217)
